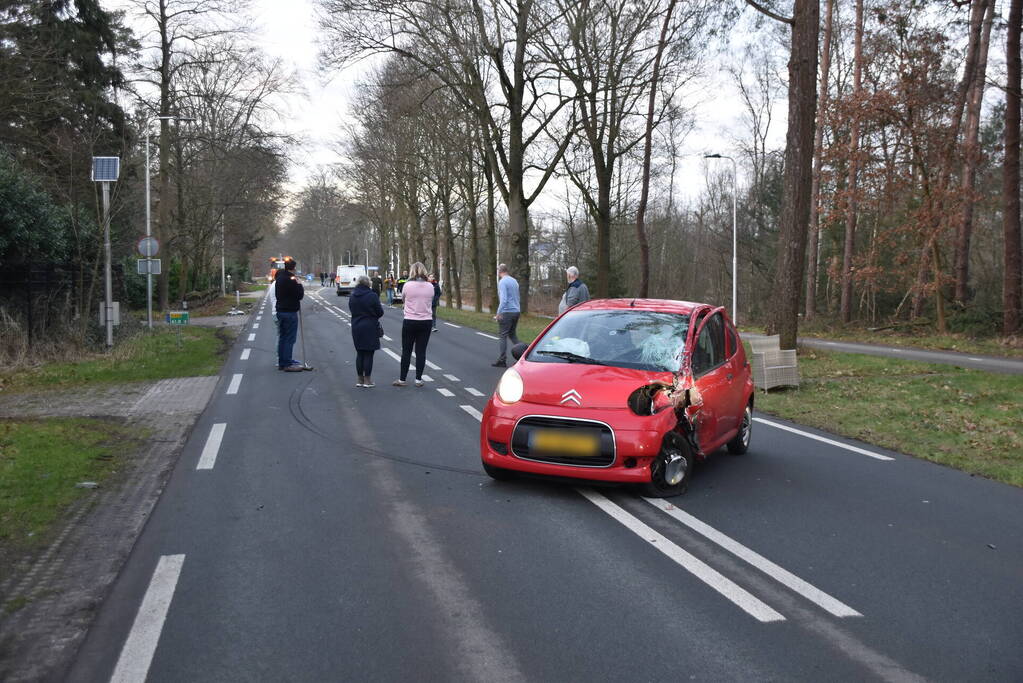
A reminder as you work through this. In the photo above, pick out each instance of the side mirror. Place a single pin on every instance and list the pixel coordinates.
(518, 350)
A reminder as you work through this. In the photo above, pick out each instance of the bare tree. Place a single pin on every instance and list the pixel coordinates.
(1013, 279)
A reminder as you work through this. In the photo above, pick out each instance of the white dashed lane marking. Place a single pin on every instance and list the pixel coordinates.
(252, 337)
(444, 392)
(452, 378)
(212, 447)
(453, 325)
(245, 353)
(472, 411)
(138, 650)
(255, 326)
(236, 381)
(488, 336)
(735, 593)
(386, 338)
(474, 392)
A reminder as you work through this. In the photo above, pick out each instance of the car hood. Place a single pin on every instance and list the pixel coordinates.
(595, 386)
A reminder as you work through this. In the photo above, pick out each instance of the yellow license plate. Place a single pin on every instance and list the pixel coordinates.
(561, 443)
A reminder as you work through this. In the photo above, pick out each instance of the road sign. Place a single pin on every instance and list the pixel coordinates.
(177, 317)
(105, 169)
(149, 247)
(115, 315)
(149, 266)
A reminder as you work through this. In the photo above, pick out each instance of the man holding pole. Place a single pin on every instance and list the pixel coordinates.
(289, 293)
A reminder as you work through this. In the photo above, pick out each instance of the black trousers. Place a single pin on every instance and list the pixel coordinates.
(414, 334)
(364, 363)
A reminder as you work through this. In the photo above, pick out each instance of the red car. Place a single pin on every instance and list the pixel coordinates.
(622, 390)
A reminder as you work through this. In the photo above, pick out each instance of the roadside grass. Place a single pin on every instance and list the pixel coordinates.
(40, 463)
(967, 419)
(528, 329)
(924, 338)
(220, 306)
(154, 356)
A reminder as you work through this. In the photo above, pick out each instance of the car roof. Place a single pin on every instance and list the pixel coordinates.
(659, 305)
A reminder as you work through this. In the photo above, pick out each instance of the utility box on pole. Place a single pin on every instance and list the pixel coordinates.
(105, 170)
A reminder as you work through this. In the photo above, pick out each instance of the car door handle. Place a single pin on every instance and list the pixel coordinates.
(729, 377)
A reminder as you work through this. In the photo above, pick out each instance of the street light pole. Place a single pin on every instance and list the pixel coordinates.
(735, 240)
(149, 231)
(223, 282)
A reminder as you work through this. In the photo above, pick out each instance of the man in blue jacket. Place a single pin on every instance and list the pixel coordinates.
(289, 297)
(507, 312)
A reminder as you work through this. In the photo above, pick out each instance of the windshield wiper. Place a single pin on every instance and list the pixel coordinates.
(572, 357)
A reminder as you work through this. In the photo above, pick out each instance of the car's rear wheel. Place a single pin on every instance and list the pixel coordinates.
(671, 469)
(498, 473)
(740, 444)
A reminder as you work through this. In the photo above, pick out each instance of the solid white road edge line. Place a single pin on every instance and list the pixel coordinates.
(212, 447)
(252, 337)
(830, 442)
(738, 595)
(782, 576)
(236, 381)
(138, 650)
(472, 411)
(488, 336)
(245, 353)
(444, 392)
(474, 392)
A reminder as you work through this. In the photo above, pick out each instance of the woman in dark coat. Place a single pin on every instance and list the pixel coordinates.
(364, 305)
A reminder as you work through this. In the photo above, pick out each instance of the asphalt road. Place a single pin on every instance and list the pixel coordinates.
(335, 533)
(1010, 366)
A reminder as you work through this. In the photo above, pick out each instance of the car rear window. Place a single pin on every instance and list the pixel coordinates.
(642, 340)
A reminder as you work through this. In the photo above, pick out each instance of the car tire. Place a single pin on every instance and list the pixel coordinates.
(670, 470)
(740, 444)
(498, 473)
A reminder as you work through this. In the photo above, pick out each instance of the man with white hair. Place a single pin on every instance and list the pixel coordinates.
(576, 293)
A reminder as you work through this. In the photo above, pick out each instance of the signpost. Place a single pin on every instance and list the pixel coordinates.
(105, 170)
(178, 319)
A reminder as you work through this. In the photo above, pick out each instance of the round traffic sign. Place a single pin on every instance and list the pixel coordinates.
(149, 247)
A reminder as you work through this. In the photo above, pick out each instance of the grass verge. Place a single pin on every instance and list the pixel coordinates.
(529, 326)
(967, 419)
(159, 355)
(220, 306)
(40, 463)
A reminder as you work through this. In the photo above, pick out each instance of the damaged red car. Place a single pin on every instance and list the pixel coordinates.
(622, 390)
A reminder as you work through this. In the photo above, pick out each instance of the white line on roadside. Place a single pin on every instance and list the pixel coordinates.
(472, 411)
(782, 576)
(474, 392)
(738, 595)
(236, 381)
(212, 447)
(444, 392)
(488, 336)
(975, 359)
(252, 337)
(453, 325)
(830, 442)
(138, 650)
(245, 353)
(452, 378)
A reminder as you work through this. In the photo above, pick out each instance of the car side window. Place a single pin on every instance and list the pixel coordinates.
(733, 343)
(710, 346)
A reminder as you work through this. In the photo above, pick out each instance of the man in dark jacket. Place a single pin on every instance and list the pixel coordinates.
(377, 284)
(364, 305)
(289, 296)
(436, 298)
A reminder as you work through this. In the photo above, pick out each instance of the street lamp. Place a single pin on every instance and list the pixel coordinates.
(149, 232)
(735, 251)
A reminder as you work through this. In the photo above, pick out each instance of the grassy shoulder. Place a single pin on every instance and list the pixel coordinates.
(147, 356)
(40, 463)
(220, 306)
(965, 419)
(528, 329)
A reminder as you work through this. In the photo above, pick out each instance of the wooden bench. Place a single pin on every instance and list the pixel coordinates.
(771, 365)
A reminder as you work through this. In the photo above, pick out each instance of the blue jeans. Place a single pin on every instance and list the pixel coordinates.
(390, 296)
(287, 332)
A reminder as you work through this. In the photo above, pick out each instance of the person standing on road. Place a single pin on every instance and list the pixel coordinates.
(576, 293)
(507, 312)
(389, 288)
(436, 298)
(417, 295)
(364, 305)
(289, 293)
(377, 284)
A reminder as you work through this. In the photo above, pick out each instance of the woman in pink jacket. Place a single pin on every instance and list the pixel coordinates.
(415, 331)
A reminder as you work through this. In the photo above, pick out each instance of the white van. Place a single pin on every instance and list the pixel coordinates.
(347, 276)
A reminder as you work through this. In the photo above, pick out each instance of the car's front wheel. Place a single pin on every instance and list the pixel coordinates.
(498, 473)
(740, 444)
(671, 469)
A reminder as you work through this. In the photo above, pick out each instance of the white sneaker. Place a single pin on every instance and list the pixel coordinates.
(420, 382)
(369, 385)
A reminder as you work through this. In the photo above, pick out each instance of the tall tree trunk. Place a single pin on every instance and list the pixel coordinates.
(644, 245)
(810, 309)
(852, 207)
(795, 214)
(971, 156)
(1012, 282)
(162, 230)
(491, 236)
